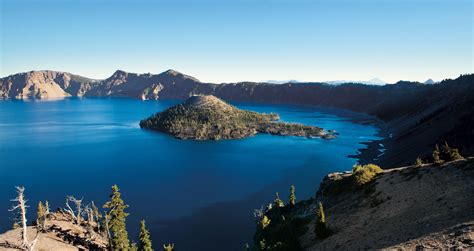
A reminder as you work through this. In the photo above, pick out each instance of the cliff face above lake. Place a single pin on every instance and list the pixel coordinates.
(416, 116)
(425, 207)
(208, 117)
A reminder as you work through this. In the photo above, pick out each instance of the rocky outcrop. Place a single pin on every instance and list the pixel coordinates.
(43, 84)
(59, 233)
(208, 117)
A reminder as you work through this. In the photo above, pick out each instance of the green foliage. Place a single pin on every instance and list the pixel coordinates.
(264, 222)
(321, 229)
(283, 232)
(366, 173)
(278, 202)
(40, 215)
(445, 154)
(450, 154)
(144, 243)
(437, 156)
(133, 246)
(292, 198)
(418, 162)
(169, 247)
(116, 220)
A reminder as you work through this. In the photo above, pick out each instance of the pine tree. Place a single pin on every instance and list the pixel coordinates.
(264, 222)
(116, 220)
(437, 156)
(133, 247)
(144, 243)
(292, 197)
(278, 202)
(321, 230)
(450, 154)
(418, 162)
(40, 215)
(46, 207)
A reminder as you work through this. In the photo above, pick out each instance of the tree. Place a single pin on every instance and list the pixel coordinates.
(115, 220)
(437, 156)
(144, 242)
(40, 215)
(264, 222)
(133, 247)
(75, 214)
(418, 162)
(278, 202)
(292, 197)
(169, 247)
(450, 154)
(46, 207)
(321, 230)
(21, 207)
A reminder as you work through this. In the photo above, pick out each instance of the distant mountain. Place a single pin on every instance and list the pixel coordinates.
(416, 116)
(374, 81)
(282, 81)
(429, 82)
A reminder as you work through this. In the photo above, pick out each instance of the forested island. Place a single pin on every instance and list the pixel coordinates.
(206, 117)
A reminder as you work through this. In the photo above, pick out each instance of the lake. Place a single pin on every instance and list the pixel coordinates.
(197, 194)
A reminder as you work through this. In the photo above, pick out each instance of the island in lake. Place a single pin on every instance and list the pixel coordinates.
(208, 117)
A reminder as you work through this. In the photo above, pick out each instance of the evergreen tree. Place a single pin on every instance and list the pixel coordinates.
(418, 162)
(264, 222)
(133, 247)
(278, 202)
(450, 154)
(437, 156)
(292, 197)
(321, 230)
(144, 242)
(40, 215)
(116, 220)
(46, 207)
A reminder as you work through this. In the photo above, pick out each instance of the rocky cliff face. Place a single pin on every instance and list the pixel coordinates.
(415, 115)
(43, 84)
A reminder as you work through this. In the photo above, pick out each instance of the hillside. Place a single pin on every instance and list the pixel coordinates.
(208, 117)
(404, 208)
(412, 115)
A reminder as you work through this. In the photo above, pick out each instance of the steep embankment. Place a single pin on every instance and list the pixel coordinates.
(415, 116)
(410, 207)
(403, 208)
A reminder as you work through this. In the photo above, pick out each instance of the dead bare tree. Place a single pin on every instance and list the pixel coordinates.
(75, 214)
(20, 205)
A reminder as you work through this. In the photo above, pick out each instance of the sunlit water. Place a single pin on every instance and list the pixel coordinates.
(198, 194)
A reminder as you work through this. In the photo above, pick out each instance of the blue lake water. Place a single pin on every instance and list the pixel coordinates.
(197, 194)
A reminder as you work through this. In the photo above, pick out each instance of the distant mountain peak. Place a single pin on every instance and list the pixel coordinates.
(119, 73)
(429, 81)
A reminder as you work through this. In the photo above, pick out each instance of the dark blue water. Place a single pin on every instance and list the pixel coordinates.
(197, 194)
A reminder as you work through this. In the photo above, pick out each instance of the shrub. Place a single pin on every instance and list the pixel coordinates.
(366, 173)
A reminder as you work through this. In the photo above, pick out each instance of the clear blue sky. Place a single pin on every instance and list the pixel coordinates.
(234, 40)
